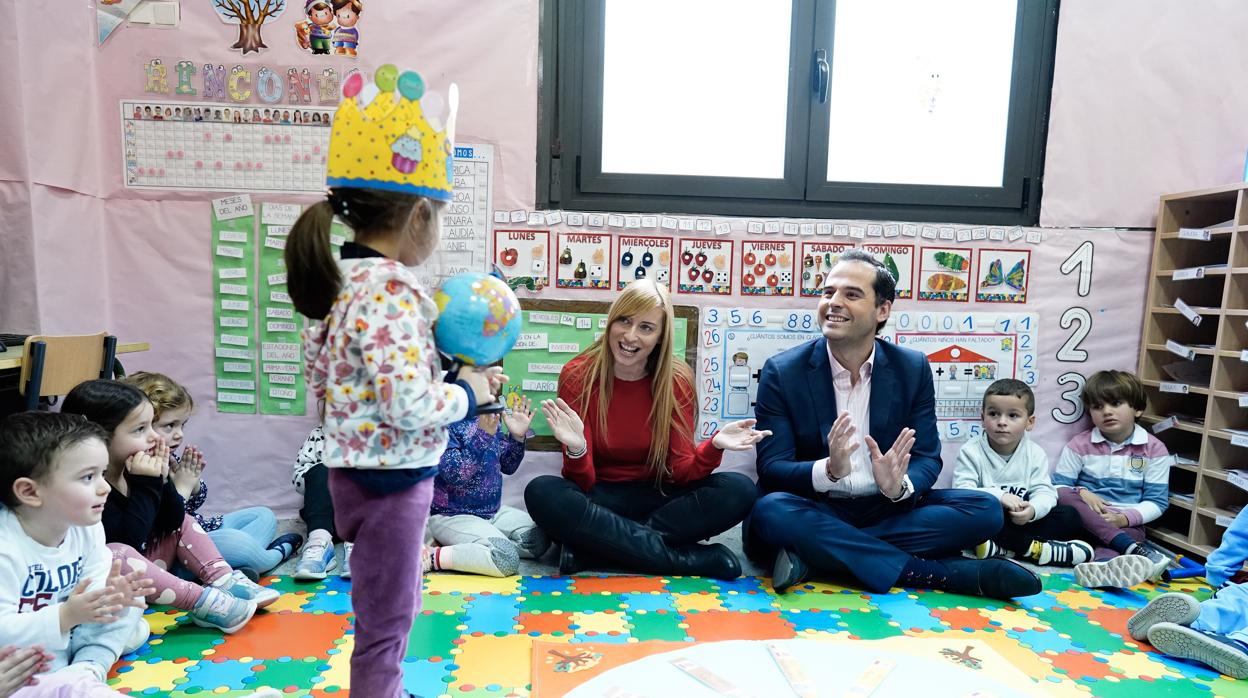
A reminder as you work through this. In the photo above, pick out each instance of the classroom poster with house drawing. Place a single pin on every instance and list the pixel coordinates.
(967, 352)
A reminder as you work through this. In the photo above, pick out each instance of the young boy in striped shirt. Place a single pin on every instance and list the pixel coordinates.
(1117, 476)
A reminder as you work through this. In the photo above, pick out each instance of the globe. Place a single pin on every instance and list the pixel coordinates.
(478, 318)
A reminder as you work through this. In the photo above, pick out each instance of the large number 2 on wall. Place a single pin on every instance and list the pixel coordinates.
(1070, 351)
(1072, 396)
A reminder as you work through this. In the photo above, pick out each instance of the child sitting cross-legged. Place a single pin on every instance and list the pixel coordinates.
(1213, 631)
(1117, 476)
(63, 598)
(311, 479)
(146, 513)
(1006, 464)
(470, 528)
(247, 538)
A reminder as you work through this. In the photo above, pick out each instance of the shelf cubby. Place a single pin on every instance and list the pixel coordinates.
(1205, 291)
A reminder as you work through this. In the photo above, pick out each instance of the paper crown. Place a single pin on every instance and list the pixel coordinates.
(388, 143)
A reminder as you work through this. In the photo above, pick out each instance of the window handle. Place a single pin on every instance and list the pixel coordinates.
(821, 76)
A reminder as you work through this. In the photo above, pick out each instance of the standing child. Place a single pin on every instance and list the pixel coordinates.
(246, 538)
(145, 513)
(1011, 467)
(1214, 631)
(371, 355)
(1117, 476)
(470, 528)
(60, 589)
(312, 481)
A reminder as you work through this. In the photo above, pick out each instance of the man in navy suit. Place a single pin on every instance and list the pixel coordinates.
(836, 502)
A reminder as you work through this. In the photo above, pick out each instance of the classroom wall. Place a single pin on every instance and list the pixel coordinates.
(1147, 100)
(82, 253)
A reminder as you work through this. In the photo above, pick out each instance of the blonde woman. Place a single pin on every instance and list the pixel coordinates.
(637, 493)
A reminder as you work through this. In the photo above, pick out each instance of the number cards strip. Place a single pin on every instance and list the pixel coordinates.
(793, 672)
(710, 679)
(233, 307)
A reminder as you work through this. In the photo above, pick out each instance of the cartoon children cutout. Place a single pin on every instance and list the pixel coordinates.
(346, 36)
(315, 33)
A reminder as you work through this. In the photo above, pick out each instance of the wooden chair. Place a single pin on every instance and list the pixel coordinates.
(53, 365)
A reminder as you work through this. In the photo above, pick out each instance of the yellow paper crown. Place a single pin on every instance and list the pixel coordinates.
(389, 144)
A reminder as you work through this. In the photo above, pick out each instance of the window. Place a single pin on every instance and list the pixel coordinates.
(902, 109)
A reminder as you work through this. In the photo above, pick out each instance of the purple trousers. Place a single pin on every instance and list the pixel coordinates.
(1101, 529)
(386, 579)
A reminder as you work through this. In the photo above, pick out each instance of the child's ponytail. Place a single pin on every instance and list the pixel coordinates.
(312, 275)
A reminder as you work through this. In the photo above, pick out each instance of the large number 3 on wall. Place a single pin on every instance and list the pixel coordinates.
(1072, 396)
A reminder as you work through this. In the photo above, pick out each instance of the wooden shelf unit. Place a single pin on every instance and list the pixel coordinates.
(1211, 405)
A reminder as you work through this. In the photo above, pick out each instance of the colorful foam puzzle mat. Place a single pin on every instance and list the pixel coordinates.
(475, 637)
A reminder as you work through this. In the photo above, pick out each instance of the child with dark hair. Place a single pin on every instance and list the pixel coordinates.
(145, 513)
(1011, 467)
(61, 593)
(472, 531)
(247, 538)
(1117, 476)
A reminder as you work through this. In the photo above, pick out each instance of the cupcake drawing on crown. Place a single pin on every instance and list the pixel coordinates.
(407, 152)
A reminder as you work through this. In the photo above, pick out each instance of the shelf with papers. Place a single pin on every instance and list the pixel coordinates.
(1205, 291)
(1179, 502)
(1193, 333)
(1149, 420)
(1214, 233)
(1174, 252)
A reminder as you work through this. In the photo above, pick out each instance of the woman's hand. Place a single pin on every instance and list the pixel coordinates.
(519, 418)
(565, 424)
(739, 435)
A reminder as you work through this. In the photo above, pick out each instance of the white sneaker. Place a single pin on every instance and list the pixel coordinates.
(346, 560)
(316, 561)
(1180, 609)
(238, 585)
(1121, 572)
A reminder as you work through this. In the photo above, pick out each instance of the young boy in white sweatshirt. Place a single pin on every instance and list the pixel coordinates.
(59, 587)
(1006, 464)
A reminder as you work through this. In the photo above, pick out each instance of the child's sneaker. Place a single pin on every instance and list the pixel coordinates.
(1217, 651)
(989, 549)
(346, 560)
(1120, 572)
(1064, 553)
(1161, 561)
(286, 544)
(238, 585)
(317, 560)
(1180, 609)
(218, 609)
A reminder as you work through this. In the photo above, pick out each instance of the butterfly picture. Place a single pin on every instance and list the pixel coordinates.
(1015, 279)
